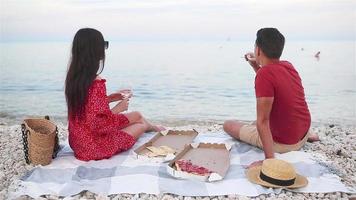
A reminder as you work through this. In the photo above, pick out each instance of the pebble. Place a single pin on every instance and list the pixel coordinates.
(243, 198)
(336, 151)
(333, 197)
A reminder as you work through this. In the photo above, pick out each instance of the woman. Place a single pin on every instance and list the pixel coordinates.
(96, 131)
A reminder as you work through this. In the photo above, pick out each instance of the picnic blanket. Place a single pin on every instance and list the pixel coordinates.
(123, 173)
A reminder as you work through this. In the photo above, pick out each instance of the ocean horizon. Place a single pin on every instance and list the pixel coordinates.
(175, 81)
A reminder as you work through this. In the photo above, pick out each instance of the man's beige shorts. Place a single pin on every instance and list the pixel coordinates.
(249, 134)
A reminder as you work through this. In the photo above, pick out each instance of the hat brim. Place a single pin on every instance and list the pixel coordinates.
(253, 175)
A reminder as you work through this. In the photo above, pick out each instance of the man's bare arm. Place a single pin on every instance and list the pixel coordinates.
(250, 58)
(264, 107)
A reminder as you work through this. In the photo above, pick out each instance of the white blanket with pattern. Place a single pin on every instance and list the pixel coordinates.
(123, 173)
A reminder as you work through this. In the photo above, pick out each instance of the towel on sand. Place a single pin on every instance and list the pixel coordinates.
(123, 173)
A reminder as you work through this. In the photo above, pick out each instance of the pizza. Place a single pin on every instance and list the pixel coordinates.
(159, 151)
(189, 167)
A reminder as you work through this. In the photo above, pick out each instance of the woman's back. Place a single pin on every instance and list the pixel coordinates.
(96, 134)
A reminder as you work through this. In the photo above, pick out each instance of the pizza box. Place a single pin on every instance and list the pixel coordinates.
(212, 156)
(175, 139)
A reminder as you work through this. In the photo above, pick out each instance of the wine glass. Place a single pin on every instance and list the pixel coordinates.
(126, 89)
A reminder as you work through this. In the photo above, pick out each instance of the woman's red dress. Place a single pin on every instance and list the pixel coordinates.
(97, 133)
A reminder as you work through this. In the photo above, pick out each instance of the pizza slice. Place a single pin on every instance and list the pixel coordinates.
(189, 167)
(159, 151)
(167, 149)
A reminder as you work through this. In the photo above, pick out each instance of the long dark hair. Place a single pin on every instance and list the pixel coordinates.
(88, 49)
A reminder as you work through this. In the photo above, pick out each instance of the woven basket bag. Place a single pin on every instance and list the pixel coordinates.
(40, 139)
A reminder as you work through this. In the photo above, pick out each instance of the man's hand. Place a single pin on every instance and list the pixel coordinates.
(254, 164)
(251, 59)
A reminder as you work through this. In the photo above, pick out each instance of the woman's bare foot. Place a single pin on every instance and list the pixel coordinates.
(157, 128)
(313, 137)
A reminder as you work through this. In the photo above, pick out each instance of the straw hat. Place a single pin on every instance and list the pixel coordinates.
(276, 174)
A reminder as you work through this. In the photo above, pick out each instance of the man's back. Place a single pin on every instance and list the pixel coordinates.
(282, 114)
(290, 117)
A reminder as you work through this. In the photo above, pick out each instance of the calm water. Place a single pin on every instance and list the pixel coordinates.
(186, 81)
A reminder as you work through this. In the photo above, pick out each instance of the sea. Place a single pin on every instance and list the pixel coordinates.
(178, 82)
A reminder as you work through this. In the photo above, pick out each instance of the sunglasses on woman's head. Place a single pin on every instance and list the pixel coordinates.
(106, 44)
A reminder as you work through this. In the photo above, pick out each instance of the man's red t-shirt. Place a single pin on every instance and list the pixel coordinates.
(290, 117)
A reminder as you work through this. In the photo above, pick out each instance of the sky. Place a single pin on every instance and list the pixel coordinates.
(58, 20)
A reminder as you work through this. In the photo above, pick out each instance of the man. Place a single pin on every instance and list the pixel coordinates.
(283, 117)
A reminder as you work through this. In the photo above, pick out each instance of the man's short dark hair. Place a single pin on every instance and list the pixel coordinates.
(271, 41)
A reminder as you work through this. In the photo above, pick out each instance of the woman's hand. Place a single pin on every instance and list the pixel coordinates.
(127, 93)
(121, 106)
(115, 97)
(120, 95)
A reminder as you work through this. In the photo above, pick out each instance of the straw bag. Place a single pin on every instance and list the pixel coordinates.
(40, 141)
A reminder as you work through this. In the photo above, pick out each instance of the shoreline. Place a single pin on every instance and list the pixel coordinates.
(336, 151)
(62, 120)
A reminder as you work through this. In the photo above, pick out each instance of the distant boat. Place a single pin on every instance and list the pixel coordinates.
(317, 55)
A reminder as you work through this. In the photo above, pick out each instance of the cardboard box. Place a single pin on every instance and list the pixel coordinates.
(175, 139)
(212, 156)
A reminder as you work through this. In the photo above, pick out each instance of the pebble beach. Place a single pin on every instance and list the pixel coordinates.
(336, 150)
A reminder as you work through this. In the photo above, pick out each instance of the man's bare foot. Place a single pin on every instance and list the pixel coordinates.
(313, 137)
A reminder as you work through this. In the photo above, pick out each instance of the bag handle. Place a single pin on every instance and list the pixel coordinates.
(56, 145)
(56, 142)
(25, 133)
